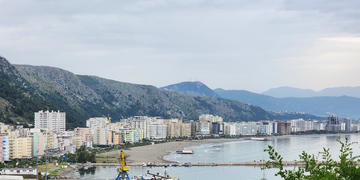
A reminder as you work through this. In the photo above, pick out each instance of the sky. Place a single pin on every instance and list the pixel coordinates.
(229, 44)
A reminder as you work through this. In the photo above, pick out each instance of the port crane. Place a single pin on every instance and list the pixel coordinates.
(123, 175)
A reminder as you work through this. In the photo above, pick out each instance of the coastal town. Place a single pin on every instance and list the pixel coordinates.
(49, 136)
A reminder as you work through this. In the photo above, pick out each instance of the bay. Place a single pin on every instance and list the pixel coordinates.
(290, 147)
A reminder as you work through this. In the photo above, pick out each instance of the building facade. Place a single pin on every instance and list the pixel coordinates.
(50, 121)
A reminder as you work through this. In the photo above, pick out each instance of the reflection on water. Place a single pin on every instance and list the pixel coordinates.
(87, 171)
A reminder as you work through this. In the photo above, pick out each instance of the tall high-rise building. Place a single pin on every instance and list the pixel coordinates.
(99, 128)
(204, 128)
(50, 121)
(333, 124)
(157, 131)
(141, 122)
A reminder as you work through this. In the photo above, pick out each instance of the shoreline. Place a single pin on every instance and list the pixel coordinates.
(156, 153)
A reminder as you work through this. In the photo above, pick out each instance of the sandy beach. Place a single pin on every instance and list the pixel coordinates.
(155, 153)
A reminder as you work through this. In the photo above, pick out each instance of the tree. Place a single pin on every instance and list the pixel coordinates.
(319, 169)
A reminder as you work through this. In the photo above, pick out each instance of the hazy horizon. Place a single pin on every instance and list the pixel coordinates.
(229, 44)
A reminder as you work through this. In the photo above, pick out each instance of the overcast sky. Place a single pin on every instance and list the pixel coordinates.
(232, 44)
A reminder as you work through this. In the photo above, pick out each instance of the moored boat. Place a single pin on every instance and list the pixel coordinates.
(185, 151)
(259, 139)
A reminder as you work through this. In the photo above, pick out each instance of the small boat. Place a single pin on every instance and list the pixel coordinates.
(186, 164)
(185, 151)
(258, 139)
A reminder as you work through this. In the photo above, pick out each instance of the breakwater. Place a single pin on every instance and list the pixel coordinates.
(253, 163)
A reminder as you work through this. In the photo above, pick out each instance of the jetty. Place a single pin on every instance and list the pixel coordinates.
(252, 163)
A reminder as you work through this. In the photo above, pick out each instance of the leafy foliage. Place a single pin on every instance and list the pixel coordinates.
(82, 155)
(325, 168)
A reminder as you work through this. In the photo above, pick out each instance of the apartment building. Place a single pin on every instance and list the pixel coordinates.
(5, 148)
(20, 147)
(157, 131)
(54, 121)
(130, 136)
(99, 128)
(186, 130)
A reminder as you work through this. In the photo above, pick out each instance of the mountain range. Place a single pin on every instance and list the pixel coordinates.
(344, 106)
(283, 92)
(25, 89)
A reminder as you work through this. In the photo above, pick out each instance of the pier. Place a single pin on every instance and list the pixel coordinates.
(253, 163)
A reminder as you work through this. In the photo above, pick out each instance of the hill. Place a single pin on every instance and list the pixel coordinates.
(192, 88)
(18, 99)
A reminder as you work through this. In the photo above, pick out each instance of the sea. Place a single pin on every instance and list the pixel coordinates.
(290, 147)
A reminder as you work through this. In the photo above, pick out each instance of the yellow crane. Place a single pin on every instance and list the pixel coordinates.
(123, 175)
(109, 118)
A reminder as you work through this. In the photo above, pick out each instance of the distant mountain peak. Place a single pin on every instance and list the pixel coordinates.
(193, 88)
(286, 91)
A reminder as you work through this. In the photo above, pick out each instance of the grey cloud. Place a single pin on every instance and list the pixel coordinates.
(225, 43)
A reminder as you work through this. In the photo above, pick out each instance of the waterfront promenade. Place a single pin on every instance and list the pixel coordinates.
(254, 163)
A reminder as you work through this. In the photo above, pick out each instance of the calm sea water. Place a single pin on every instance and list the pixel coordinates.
(238, 151)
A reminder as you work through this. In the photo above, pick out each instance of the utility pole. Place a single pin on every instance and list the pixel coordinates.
(46, 156)
(37, 164)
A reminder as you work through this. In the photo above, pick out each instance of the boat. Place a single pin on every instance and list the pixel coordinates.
(185, 151)
(159, 176)
(259, 139)
(24, 172)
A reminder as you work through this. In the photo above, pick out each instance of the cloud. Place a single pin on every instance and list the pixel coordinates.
(231, 44)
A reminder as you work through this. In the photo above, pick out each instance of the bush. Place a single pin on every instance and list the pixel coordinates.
(325, 168)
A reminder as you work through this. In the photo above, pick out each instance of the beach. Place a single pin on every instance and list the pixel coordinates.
(155, 153)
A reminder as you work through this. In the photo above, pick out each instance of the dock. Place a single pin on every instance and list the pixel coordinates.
(253, 163)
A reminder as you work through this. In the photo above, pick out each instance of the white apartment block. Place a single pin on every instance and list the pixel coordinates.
(211, 118)
(157, 131)
(99, 128)
(50, 121)
(204, 127)
(141, 122)
(230, 129)
(301, 125)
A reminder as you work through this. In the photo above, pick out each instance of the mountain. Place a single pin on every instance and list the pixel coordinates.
(296, 92)
(344, 106)
(341, 91)
(26, 89)
(192, 88)
(18, 100)
(285, 91)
